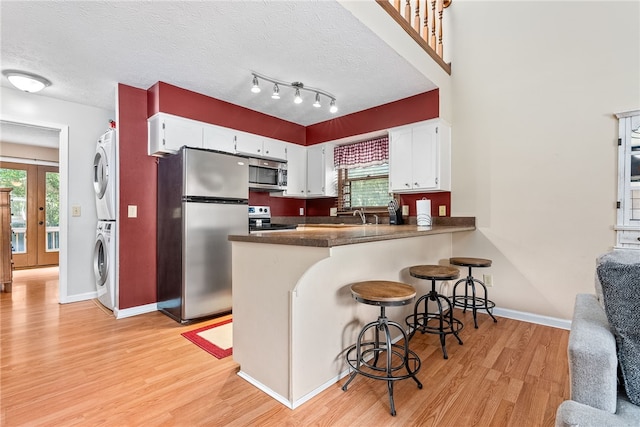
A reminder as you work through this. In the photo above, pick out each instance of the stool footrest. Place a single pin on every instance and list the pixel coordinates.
(472, 302)
(372, 365)
(420, 322)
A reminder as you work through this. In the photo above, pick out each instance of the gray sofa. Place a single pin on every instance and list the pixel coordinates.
(597, 398)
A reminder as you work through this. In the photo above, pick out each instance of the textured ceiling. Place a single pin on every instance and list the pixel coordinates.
(211, 47)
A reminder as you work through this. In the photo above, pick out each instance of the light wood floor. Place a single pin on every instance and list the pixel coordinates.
(74, 364)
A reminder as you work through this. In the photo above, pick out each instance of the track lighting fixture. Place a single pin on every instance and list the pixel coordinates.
(298, 86)
(27, 82)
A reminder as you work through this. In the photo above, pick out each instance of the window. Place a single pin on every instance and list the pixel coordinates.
(363, 174)
(366, 187)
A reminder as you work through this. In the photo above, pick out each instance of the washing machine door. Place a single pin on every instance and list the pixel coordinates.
(101, 263)
(100, 172)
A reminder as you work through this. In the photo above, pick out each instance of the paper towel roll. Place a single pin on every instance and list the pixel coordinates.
(423, 209)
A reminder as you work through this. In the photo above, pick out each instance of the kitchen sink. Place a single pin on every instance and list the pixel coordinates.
(341, 225)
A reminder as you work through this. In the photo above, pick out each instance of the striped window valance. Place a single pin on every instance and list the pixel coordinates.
(366, 153)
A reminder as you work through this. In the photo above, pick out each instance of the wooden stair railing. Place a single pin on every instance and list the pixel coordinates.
(426, 29)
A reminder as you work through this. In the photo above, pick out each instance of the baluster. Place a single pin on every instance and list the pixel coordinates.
(396, 4)
(425, 23)
(432, 39)
(416, 19)
(407, 11)
(439, 49)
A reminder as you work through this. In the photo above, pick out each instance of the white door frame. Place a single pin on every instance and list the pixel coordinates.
(63, 167)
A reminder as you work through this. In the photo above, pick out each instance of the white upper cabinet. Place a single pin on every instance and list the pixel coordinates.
(296, 171)
(218, 138)
(420, 157)
(260, 146)
(628, 218)
(320, 171)
(310, 171)
(167, 133)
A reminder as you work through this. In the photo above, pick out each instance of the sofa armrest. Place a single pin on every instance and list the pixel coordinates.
(592, 355)
(574, 414)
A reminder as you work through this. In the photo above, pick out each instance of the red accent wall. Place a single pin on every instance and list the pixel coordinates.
(138, 172)
(416, 108)
(185, 103)
(437, 199)
(280, 206)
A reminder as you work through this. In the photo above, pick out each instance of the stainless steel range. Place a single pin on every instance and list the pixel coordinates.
(260, 220)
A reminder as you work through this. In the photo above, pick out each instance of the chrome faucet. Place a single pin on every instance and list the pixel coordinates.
(376, 217)
(364, 220)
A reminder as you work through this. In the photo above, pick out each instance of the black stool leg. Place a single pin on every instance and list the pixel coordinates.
(486, 300)
(441, 328)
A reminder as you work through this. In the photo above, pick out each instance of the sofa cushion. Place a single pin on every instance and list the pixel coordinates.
(622, 256)
(621, 291)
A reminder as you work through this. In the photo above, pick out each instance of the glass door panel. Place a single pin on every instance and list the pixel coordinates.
(48, 215)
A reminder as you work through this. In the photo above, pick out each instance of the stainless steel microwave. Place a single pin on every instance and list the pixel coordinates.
(267, 175)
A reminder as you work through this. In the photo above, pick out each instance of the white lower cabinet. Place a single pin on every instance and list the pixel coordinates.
(167, 133)
(420, 157)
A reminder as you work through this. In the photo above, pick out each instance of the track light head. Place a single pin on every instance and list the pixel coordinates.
(297, 99)
(333, 108)
(276, 91)
(317, 101)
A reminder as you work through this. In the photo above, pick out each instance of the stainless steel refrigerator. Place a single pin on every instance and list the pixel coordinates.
(202, 198)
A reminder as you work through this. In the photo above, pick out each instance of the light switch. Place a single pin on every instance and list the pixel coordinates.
(75, 210)
(132, 211)
(301, 211)
(405, 210)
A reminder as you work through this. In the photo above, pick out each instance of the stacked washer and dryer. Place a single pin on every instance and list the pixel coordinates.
(105, 186)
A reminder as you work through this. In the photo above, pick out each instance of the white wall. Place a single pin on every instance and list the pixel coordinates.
(534, 89)
(85, 125)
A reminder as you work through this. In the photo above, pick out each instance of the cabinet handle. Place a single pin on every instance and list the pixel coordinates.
(638, 239)
(416, 184)
(407, 185)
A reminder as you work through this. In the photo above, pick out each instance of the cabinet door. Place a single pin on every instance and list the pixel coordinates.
(247, 143)
(315, 171)
(424, 159)
(296, 170)
(218, 138)
(179, 132)
(400, 163)
(274, 149)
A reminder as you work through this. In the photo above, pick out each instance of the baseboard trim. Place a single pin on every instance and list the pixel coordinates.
(265, 389)
(79, 297)
(554, 322)
(134, 311)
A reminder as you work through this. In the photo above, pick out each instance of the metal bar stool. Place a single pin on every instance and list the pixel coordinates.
(363, 356)
(445, 322)
(472, 301)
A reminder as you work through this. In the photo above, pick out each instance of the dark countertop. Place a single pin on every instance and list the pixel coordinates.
(328, 235)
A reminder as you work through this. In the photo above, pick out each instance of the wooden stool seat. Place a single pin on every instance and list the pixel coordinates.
(383, 292)
(379, 358)
(434, 272)
(440, 320)
(470, 298)
(470, 262)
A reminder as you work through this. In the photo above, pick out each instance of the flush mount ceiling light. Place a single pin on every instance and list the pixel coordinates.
(298, 86)
(27, 82)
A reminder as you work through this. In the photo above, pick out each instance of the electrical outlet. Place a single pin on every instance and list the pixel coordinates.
(75, 210)
(488, 280)
(132, 211)
(405, 210)
(442, 210)
(301, 211)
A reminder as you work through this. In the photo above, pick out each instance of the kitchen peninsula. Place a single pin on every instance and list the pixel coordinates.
(293, 313)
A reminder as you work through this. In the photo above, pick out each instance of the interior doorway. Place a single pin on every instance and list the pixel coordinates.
(35, 213)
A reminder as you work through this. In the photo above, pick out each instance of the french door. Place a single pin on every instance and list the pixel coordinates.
(34, 213)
